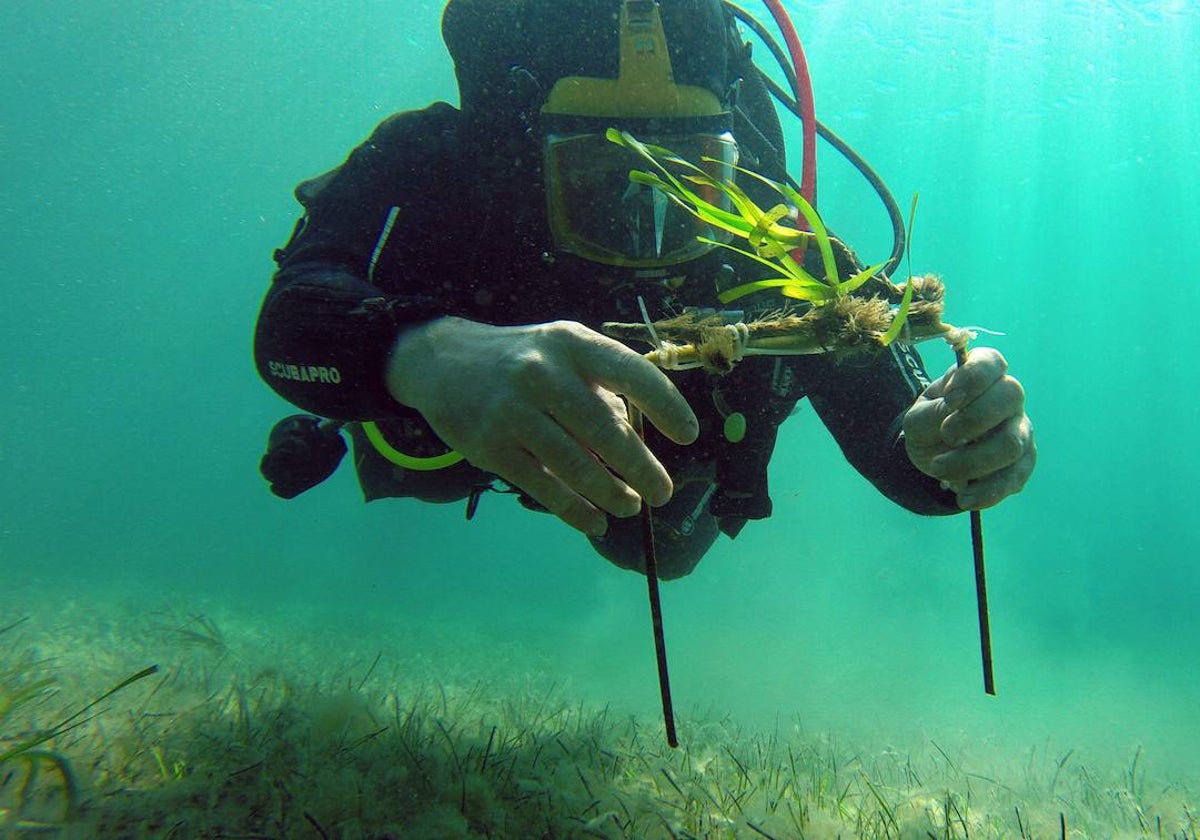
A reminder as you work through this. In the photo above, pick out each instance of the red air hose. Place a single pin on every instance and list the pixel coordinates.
(804, 98)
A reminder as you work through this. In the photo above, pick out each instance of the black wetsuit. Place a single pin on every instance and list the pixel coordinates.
(422, 220)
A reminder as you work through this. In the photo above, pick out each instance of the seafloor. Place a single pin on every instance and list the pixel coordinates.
(254, 728)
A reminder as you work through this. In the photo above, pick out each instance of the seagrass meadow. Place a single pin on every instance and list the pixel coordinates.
(261, 729)
(183, 655)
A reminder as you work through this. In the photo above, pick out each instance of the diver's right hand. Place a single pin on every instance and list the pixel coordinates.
(541, 407)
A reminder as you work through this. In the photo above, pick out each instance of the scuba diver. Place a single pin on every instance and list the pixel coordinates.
(442, 298)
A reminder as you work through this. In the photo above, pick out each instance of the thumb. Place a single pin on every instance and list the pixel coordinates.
(923, 422)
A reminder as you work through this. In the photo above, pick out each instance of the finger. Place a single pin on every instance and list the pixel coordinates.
(923, 421)
(524, 470)
(602, 427)
(619, 369)
(576, 466)
(989, 491)
(923, 424)
(937, 388)
(1003, 400)
(1000, 448)
(969, 380)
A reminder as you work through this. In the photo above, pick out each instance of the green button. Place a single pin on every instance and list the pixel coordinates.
(735, 427)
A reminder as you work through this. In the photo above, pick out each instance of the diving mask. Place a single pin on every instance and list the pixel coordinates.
(595, 211)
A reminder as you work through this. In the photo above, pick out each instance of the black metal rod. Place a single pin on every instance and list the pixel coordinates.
(656, 620)
(660, 642)
(985, 627)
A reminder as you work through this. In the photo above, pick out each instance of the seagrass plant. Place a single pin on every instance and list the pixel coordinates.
(26, 755)
(823, 313)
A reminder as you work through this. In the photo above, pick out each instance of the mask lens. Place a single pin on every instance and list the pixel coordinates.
(597, 213)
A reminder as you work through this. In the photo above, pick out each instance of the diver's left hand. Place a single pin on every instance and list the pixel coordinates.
(970, 431)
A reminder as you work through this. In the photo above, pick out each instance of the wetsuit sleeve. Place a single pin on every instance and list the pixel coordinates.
(862, 401)
(334, 307)
(322, 342)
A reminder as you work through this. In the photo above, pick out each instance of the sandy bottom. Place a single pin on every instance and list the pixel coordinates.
(272, 725)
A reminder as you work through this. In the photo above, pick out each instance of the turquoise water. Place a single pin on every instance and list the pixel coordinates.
(149, 151)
